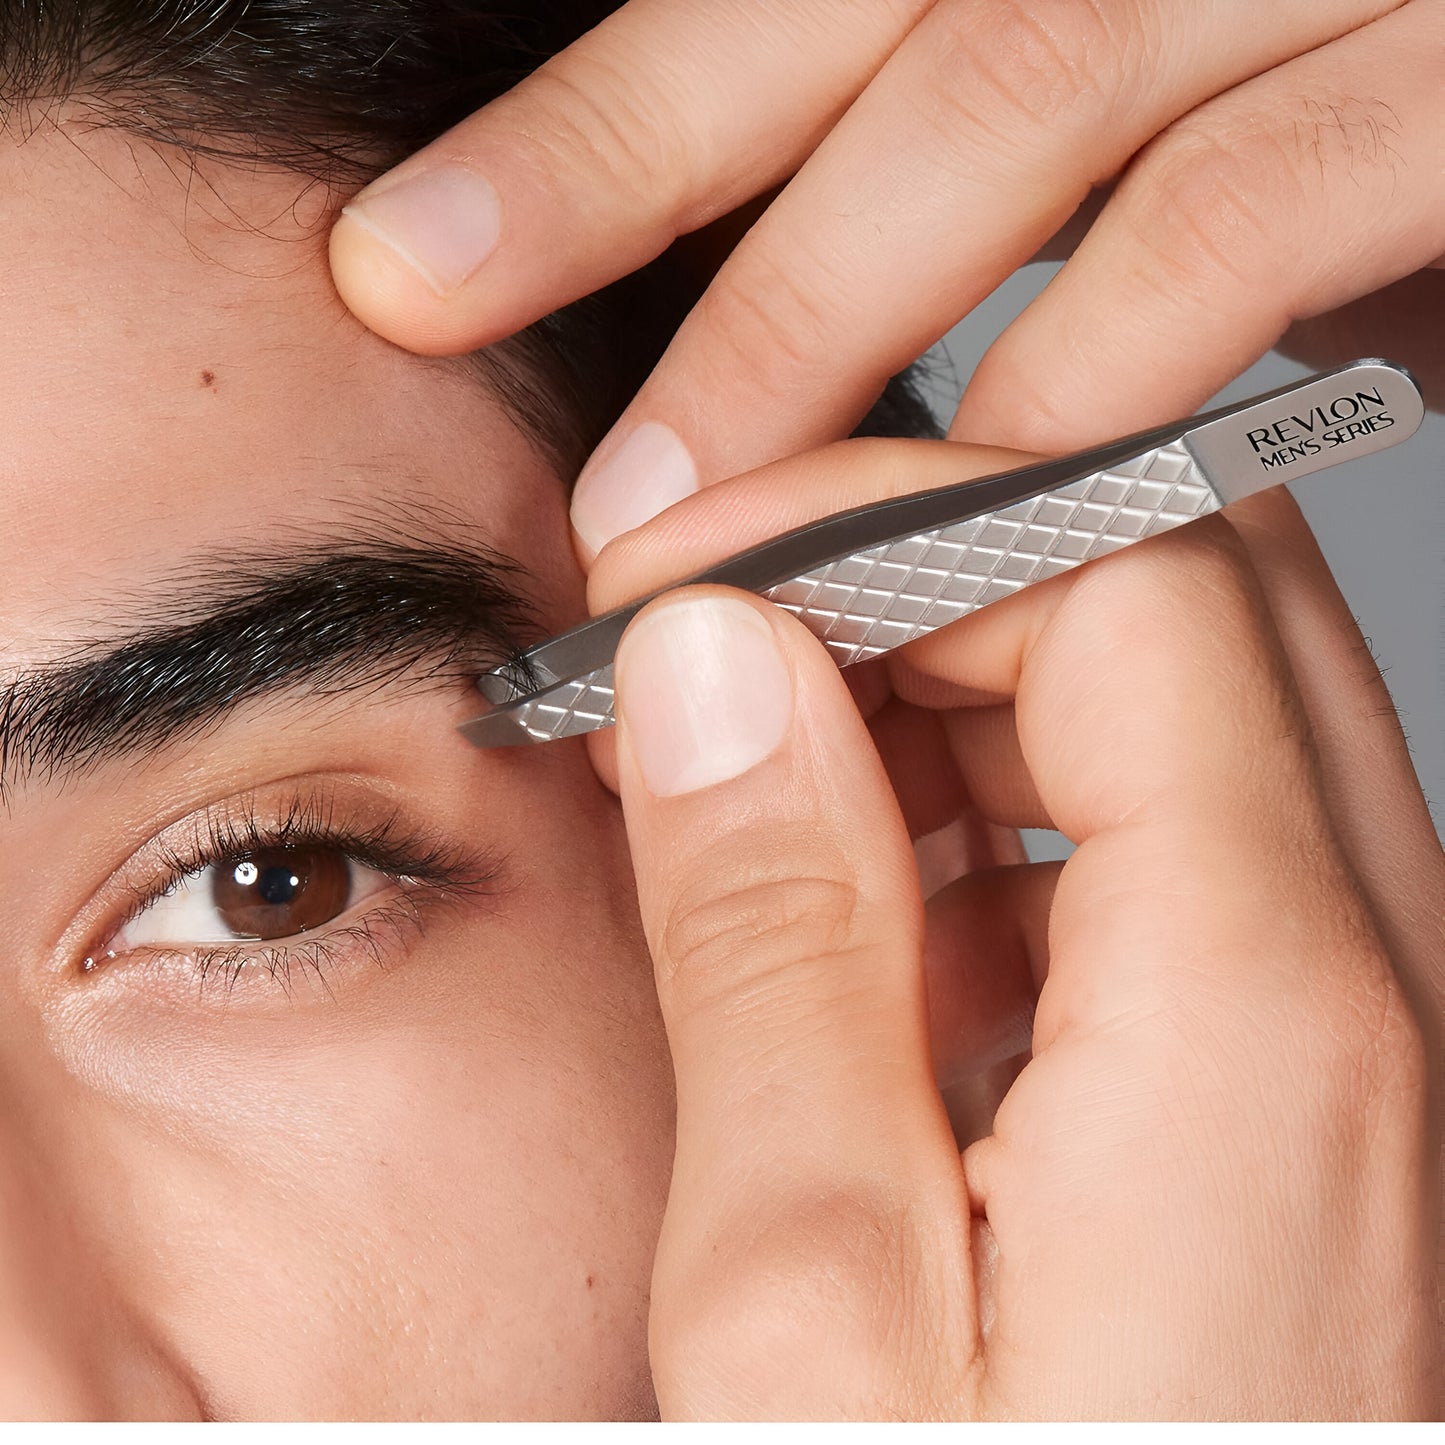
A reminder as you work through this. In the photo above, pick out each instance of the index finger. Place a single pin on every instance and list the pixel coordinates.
(595, 163)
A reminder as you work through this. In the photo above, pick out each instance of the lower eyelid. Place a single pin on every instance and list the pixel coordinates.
(307, 966)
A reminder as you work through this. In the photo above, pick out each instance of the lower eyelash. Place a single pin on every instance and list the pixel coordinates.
(388, 925)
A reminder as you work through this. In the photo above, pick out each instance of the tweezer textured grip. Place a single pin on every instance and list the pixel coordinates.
(877, 600)
(869, 604)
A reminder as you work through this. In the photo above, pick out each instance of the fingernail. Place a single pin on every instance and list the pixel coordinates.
(443, 223)
(704, 693)
(650, 471)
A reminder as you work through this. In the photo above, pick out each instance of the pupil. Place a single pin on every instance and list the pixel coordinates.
(277, 885)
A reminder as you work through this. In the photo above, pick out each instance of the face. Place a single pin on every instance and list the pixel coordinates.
(334, 1083)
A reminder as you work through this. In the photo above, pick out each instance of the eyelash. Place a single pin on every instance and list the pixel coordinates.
(428, 869)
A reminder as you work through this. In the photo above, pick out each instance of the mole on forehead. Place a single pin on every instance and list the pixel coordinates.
(174, 315)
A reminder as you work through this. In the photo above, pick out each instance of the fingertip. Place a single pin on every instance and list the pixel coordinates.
(637, 473)
(602, 752)
(585, 555)
(704, 689)
(1044, 404)
(390, 294)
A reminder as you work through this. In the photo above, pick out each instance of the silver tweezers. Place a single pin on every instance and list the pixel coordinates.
(869, 580)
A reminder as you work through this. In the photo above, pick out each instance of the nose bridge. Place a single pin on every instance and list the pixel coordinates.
(70, 1348)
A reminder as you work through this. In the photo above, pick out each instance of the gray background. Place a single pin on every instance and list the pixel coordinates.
(1380, 523)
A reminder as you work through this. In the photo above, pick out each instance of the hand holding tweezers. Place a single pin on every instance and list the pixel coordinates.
(868, 580)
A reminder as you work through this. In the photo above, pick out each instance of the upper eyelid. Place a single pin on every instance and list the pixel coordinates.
(218, 836)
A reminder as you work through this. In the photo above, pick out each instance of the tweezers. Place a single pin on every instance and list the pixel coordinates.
(868, 580)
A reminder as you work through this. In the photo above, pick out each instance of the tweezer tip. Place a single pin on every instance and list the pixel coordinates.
(497, 729)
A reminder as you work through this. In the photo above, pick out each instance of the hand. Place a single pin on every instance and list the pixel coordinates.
(1277, 160)
(1210, 1192)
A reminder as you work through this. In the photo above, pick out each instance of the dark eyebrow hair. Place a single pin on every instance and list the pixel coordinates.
(333, 616)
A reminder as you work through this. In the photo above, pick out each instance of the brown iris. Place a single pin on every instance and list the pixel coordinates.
(276, 892)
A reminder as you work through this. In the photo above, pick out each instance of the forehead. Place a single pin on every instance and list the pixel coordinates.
(178, 378)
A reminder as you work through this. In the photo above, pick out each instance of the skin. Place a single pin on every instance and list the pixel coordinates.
(1210, 1190)
(1226, 170)
(425, 1190)
(451, 1169)
(1257, 165)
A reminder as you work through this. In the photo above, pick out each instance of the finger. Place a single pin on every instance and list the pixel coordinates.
(984, 742)
(987, 957)
(1217, 993)
(1382, 819)
(951, 836)
(816, 1190)
(914, 750)
(985, 936)
(660, 119)
(979, 738)
(1287, 197)
(975, 142)
(739, 513)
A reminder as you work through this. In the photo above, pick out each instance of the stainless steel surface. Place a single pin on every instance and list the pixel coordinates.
(867, 604)
(563, 711)
(1001, 534)
(1341, 417)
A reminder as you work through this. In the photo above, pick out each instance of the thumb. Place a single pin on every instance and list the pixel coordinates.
(817, 1228)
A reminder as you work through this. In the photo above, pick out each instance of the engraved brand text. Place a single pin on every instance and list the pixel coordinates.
(1335, 424)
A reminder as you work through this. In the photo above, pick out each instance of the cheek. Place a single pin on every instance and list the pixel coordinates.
(446, 1184)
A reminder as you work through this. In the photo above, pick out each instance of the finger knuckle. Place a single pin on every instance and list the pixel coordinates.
(847, 1266)
(1049, 61)
(1221, 193)
(1371, 1063)
(775, 324)
(1202, 206)
(755, 919)
(586, 113)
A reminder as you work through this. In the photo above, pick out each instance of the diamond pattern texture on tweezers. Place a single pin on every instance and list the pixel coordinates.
(569, 708)
(869, 603)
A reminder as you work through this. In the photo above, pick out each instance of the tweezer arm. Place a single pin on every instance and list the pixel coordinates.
(885, 574)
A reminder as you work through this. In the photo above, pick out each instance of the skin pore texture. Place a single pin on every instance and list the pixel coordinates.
(420, 1176)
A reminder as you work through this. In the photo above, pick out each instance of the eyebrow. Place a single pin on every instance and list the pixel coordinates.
(332, 616)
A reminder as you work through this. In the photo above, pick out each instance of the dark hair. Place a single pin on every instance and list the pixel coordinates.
(337, 91)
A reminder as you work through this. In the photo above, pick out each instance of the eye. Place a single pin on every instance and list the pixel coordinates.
(268, 893)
